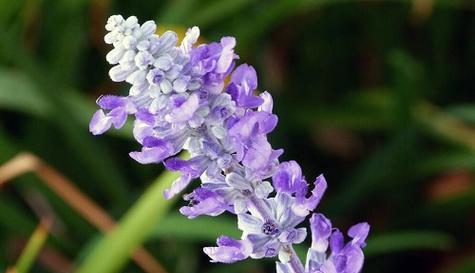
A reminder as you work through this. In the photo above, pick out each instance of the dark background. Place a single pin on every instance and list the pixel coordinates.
(377, 95)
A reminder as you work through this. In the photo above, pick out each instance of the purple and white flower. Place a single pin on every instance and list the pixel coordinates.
(181, 101)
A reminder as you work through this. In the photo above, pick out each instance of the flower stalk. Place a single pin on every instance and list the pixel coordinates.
(181, 101)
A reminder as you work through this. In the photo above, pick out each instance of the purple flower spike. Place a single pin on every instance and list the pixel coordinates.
(180, 100)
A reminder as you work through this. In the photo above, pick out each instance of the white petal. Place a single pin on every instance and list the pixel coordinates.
(284, 257)
(114, 56)
(166, 86)
(263, 189)
(179, 85)
(249, 224)
(237, 181)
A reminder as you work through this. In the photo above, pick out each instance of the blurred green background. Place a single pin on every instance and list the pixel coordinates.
(377, 95)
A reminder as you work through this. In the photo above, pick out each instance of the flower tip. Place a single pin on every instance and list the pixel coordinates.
(168, 194)
(99, 123)
(359, 232)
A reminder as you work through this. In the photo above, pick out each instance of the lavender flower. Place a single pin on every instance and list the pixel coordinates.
(181, 101)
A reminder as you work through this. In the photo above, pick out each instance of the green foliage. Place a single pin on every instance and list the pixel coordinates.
(408, 240)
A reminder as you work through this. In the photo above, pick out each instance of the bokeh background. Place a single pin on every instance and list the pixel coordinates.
(377, 95)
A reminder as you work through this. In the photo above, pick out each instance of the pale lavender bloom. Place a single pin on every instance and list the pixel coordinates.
(230, 192)
(183, 109)
(270, 227)
(204, 201)
(252, 124)
(180, 103)
(228, 250)
(242, 85)
(189, 169)
(342, 258)
(259, 158)
(120, 108)
(289, 179)
(321, 230)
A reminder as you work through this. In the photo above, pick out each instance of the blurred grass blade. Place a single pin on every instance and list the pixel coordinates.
(388, 165)
(32, 248)
(112, 252)
(408, 240)
(446, 161)
(71, 195)
(408, 80)
(96, 161)
(19, 93)
(464, 111)
(180, 227)
(445, 125)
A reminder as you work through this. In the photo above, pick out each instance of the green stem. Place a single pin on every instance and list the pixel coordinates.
(113, 251)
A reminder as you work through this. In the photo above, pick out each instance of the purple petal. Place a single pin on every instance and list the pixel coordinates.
(336, 241)
(249, 224)
(227, 54)
(359, 232)
(185, 111)
(209, 206)
(118, 117)
(146, 116)
(246, 126)
(109, 102)
(293, 236)
(249, 101)
(283, 268)
(257, 156)
(150, 141)
(178, 185)
(228, 241)
(245, 74)
(100, 123)
(289, 179)
(321, 230)
(151, 155)
(193, 167)
(228, 250)
(317, 193)
(350, 261)
(328, 267)
(263, 246)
